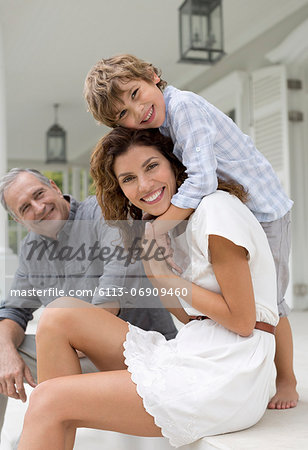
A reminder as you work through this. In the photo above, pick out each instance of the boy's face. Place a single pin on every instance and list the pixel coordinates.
(143, 105)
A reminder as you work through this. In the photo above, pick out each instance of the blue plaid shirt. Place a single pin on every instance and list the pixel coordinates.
(210, 144)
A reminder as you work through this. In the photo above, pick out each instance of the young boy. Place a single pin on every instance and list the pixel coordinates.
(126, 91)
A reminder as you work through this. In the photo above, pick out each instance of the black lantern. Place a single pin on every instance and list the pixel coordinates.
(201, 31)
(56, 141)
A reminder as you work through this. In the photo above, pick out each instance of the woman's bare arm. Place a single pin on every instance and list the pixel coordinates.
(237, 310)
(234, 308)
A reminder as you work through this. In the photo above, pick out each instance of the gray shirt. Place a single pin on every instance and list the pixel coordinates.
(86, 261)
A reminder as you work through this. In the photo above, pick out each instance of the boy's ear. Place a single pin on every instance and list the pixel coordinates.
(156, 78)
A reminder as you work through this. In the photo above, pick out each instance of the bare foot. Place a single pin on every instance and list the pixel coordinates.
(286, 396)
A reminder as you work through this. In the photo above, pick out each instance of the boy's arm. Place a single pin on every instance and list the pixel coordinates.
(193, 132)
(172, 217)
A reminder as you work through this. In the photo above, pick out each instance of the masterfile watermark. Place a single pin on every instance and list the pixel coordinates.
(99, 291)
(54, 251)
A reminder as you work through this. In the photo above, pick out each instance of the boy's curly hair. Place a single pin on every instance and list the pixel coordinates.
(102, 89)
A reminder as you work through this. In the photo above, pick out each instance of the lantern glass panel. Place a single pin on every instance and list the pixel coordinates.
(199, 31)
(215, 34)
(56, 148)
(201, 37)
(185, 33)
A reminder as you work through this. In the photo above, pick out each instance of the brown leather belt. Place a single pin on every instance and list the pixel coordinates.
(259, 325)
(265, 327)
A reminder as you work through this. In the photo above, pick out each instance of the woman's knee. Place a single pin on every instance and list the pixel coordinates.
(47, 406)
(42, 402)
(58, 315)
(51, 320)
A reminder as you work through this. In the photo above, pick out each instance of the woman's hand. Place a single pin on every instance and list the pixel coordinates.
(163, 241)
(154, 262)
(161, 275)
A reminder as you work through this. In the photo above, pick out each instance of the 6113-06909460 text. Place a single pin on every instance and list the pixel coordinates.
(104, 292)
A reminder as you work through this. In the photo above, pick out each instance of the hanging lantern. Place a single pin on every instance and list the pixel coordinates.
(201, 31)
(56, 141)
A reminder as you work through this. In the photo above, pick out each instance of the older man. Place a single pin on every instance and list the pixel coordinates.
(69, 251)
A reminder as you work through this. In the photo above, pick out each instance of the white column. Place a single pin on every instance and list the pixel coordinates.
(8, 261)
(65, 182)
(299, 170)
(293, 52)
(76, 183)
(2, 140)
(85, 183)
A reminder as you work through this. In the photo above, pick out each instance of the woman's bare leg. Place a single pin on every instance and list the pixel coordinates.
(69, 324)
(107, 401)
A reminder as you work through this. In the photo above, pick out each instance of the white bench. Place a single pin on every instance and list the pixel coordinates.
(277, 430)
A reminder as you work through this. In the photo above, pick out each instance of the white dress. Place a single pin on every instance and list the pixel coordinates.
(209, 380)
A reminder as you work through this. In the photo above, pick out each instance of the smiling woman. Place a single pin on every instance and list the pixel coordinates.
(139, 174)
(141, 165)
(217, 372)
(146, 178)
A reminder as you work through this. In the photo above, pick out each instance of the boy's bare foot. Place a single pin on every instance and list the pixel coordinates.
(286, 396)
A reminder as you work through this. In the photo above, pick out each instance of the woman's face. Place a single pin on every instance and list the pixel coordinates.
(146, 178)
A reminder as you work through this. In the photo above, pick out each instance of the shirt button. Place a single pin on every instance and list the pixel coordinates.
(197, 149)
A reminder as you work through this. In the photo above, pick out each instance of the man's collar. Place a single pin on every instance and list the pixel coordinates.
(73, 206)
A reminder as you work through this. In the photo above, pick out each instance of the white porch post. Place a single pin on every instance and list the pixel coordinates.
(2, 139)
(76, 183)
(85, 184)
(8, 261)
(293, 53)
(65, 182)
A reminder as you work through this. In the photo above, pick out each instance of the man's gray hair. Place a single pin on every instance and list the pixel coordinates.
(8, 179)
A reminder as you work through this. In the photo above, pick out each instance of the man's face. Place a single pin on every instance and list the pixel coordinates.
(40, 208)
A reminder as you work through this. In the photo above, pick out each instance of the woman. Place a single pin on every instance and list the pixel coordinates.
(214, 377)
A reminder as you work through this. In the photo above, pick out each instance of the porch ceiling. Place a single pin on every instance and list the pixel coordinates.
(49, 47)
